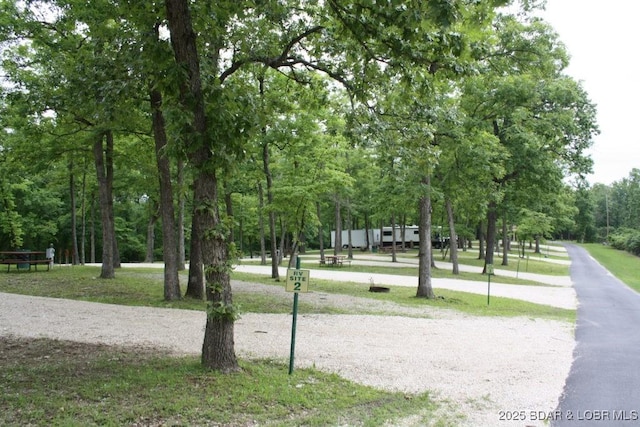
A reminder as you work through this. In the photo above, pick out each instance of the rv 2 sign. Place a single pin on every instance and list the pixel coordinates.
(297, 281)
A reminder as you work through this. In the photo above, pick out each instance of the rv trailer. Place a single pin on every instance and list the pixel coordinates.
(411, 237)
(358, 238)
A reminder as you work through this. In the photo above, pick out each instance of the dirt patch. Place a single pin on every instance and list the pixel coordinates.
(20, 351)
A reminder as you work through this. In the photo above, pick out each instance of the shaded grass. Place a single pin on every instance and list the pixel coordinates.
(49, 382)
(132, 287)
(624, 265)
(412, 271)
(531, 263)
(474, 304)
(144, 287)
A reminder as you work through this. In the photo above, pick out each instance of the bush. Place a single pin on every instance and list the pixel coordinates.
(626, 239)
(633, 243)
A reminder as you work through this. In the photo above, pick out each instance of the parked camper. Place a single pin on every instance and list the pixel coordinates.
(411, 237)
(358, 238)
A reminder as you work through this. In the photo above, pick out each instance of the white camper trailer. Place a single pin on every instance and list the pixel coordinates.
(411, 237)
(358, 238)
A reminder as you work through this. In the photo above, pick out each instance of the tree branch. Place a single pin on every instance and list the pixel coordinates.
(273, 62)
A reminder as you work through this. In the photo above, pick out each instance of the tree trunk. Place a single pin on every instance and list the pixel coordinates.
(106, 205)
(272, 215)
(241, 234)
(92, 230)
(492, 219)
(169, 240)
(263, 249)
(425, 290)
(393, 238)
(337, 247)
(182, 256)
(195, 282)
(295, 249)
(367, 226)
(505, 241)
(349, 236)
(453, 240)
(151, 225)
(109, 169)
(275, 274)
(228, 202)
(116, 252)
(320, 234)
(83, 215)
(283, 241)
(481, 243)
(218, 347)
(74, 225)
(403, 231)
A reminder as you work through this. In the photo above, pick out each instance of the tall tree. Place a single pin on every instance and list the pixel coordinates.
(218, 347)
(541, 118)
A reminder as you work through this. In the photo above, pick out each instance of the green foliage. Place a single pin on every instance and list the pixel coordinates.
(355, 102)
(533, 225)
(219, 269)
(223, 311)
(585, 227)
(633, 243)
(30, 213)
(626, 239)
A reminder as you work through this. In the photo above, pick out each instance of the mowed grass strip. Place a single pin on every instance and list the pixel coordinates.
(474, 304)
(532, 262)
(144, 287)
(50, 382)
(624, 265)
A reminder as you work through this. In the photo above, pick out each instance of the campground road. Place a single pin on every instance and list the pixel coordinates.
(603, 386)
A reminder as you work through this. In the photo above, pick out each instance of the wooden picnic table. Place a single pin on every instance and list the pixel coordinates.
(335, 260)
(24, 258)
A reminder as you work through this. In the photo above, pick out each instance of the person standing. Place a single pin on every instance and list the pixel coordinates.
(50, 254)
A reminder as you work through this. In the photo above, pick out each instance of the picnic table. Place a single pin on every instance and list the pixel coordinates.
(335, 260)
(24, 259)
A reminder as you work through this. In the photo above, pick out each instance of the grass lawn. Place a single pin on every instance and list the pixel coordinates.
(54, 383)
(143, 287)
(474, 304)
(623, 265)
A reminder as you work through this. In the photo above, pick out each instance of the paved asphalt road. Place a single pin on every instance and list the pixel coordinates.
(603, 387)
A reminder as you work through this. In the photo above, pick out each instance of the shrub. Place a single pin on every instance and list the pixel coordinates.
(633, 243)
(626, 239)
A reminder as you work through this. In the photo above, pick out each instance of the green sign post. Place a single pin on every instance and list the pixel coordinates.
(489, 273)
(297, 281)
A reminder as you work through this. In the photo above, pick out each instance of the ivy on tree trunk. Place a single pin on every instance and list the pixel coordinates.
(218, 348)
